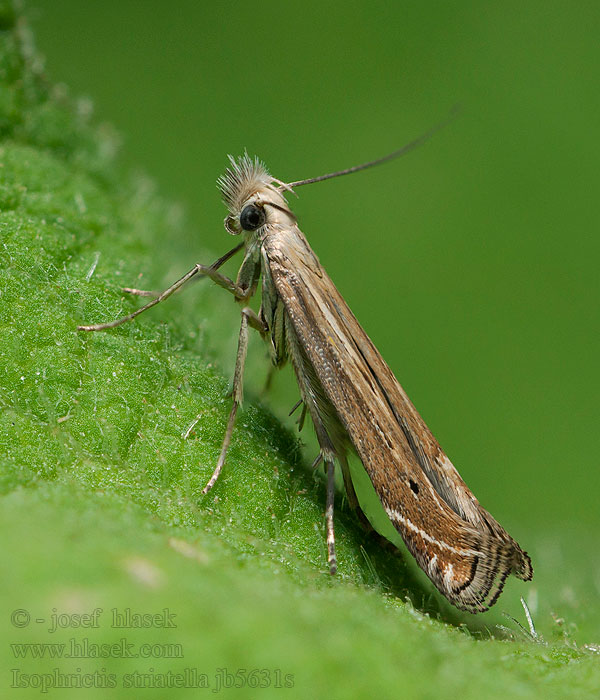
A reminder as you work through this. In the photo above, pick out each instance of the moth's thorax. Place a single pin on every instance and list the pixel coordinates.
(276, 208)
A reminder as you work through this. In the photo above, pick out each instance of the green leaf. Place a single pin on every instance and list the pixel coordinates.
(101, 494)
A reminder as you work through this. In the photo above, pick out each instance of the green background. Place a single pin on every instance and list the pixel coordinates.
(472, 263)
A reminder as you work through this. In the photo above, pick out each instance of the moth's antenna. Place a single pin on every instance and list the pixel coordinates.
(390, 156)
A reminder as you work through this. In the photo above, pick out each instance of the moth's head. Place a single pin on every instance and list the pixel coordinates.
(251, 196)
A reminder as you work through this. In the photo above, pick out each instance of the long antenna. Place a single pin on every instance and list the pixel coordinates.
(390, 156)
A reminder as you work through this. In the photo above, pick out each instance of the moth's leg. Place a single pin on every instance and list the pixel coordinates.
(318, 459)
(161, 297)
(299, 403)
(302, 418)
(365, 523)
(248, 318)
(206, 270)
(238, 292)
(197, 269)
(348, 485)
(331, 558)
(295, 406)
(314, 399)
(352, 497)
(328, 455)
(256, 323)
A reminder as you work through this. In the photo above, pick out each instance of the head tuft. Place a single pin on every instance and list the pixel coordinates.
(241, 180)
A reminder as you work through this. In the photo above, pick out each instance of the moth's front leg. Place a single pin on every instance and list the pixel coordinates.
(209, 270)
(160, 297)
(240, 291)
(249, 317)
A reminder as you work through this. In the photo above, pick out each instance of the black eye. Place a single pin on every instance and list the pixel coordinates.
(252, 217)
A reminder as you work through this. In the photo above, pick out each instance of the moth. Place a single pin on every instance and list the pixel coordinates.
(353, 398)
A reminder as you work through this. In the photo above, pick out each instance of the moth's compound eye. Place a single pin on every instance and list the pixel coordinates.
(252, 217)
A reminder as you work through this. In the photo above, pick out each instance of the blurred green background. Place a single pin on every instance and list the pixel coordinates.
(472, 263)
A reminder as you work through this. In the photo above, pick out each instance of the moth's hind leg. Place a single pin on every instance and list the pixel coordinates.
(352, 497)
(354, 504)
(328, 454)
(331, 558)
(364, 521)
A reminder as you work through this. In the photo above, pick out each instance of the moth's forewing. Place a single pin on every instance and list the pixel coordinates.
(458, 544)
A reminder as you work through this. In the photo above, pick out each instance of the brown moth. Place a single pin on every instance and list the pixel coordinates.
(351, 395)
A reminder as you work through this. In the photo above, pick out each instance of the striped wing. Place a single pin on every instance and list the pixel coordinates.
(457, 543)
